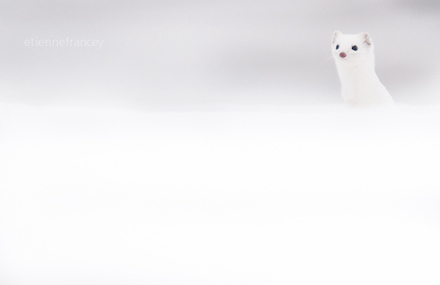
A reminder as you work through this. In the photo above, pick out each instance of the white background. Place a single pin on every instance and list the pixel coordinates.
(206, 143)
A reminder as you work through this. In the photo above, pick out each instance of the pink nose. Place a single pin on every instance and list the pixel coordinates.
(342, 54)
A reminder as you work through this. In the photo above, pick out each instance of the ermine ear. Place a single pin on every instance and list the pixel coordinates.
(336, 34)
(367, 39)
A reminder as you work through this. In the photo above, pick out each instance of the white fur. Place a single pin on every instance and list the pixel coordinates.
(359, 82)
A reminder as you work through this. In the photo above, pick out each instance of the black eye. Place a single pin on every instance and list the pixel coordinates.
(337, 46)
(355, 48)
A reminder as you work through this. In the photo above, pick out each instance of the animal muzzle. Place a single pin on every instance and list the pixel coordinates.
(342, 54)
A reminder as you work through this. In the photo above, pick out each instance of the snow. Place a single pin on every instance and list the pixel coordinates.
(269, 195)
(204, 144)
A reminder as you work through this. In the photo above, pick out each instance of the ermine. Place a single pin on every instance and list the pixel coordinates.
(354, 57)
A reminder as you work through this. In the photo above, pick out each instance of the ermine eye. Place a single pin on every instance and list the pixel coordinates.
(355, 48)
(337, 46)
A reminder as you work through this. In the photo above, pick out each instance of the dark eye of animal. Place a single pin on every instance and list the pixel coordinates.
(337, 46)
(355, 48)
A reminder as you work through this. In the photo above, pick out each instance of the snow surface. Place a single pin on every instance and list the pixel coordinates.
(294, 195)
(178, 153)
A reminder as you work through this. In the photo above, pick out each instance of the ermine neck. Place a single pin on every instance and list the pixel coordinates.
(362, 71)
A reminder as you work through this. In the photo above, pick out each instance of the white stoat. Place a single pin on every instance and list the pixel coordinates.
(354, 57)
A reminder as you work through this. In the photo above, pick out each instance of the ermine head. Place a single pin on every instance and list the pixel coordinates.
(352, 48)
